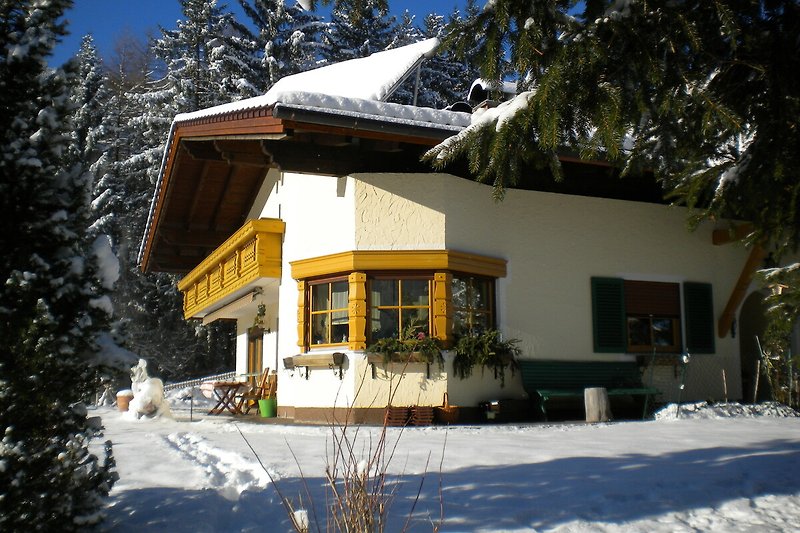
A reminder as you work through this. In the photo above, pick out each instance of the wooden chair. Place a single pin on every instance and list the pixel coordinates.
(249, 399)
(271, 386)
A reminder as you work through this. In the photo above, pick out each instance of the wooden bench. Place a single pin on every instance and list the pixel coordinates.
(546, 379)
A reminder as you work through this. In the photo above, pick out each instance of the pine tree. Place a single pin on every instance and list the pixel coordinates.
(698, 88)
(206, 62)
(90, 95)
(286, 40)
(444, 78)
(358, 30)
(701, 93)
(149, 306)
(53, 303)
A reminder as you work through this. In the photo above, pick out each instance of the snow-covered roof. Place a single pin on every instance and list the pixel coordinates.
(359, 108)
(355, 90)
(373, 78)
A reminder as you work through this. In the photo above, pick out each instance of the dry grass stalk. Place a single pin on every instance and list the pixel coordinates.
(359, 492)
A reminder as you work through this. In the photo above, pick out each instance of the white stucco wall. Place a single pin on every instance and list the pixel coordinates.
(553, 243)
(319, 217)
(395, 383)
(393, 218)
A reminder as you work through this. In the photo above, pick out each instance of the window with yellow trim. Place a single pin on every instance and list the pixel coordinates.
(396, 303)
(473, 304)
(328, 314)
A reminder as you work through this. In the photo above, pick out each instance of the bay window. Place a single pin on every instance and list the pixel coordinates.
(328, 312)
(398, 305)
(473, 304)
(360, 296)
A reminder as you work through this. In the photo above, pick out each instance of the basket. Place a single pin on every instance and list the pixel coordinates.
(447, 414)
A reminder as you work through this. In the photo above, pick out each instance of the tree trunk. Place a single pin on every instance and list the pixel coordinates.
(598, 408)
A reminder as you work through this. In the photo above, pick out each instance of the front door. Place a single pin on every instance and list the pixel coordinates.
(255, 354)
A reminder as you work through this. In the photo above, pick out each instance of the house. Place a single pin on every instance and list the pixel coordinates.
(306, 215)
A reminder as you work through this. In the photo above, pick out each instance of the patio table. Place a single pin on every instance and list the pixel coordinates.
(225, 392)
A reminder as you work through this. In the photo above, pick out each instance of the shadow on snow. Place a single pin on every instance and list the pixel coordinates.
(526, 495)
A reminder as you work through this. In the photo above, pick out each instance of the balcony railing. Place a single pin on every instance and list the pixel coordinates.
(252, 252)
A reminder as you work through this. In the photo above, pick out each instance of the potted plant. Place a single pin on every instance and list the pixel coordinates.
(487, 349)
(412, 346)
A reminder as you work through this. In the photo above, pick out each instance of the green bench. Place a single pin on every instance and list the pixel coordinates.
(547, 379)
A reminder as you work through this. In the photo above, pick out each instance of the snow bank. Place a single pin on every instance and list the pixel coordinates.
(730, 475)
(724, 410)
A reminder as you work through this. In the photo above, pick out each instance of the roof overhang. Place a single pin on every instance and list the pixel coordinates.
(215, 164)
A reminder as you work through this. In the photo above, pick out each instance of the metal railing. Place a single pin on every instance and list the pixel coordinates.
(227, 376)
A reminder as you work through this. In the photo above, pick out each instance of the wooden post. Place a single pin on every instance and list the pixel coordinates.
(725, 385)
(758, 374)
(598, 407)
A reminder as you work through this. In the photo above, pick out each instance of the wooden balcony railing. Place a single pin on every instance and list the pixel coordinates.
(252, 252)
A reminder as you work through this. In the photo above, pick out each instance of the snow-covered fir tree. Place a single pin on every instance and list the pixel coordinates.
(444, 78)
(53, 300)
(150, 307)
(286, 39)
(701, 93)
(358, 30)
(89, 95)
(205, 62)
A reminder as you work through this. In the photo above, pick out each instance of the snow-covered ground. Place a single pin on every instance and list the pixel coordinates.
(705, 471)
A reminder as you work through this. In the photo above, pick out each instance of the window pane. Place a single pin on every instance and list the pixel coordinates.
(319, 329)
(480, 322)
(418, 318)
(319, 297)
(340, 291)
(339, 317)
(415, 291)
(383, 292)
(663, 332)
(384, 324)
(638, 331)
(480, 294)
(459, 287)
(340, 331)
(460, 322)
(472, 305)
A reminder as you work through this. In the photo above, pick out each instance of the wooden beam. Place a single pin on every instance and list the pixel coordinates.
(196, 195)
(237, 153)
(340, 161)
(733, 234)
(202, 150)
(226, 190)
(197, 239)
(754, 261)
(174, 264)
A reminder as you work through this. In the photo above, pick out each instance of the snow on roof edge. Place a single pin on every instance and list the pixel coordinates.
(356, 73)
(157, 192)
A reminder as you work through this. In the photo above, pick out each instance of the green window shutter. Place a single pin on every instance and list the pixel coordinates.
(698, 309)
(608, 315)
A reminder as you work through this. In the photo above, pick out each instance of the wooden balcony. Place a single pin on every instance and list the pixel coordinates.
(252, 252)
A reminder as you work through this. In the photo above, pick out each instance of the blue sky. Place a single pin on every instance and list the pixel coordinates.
(107, 19)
